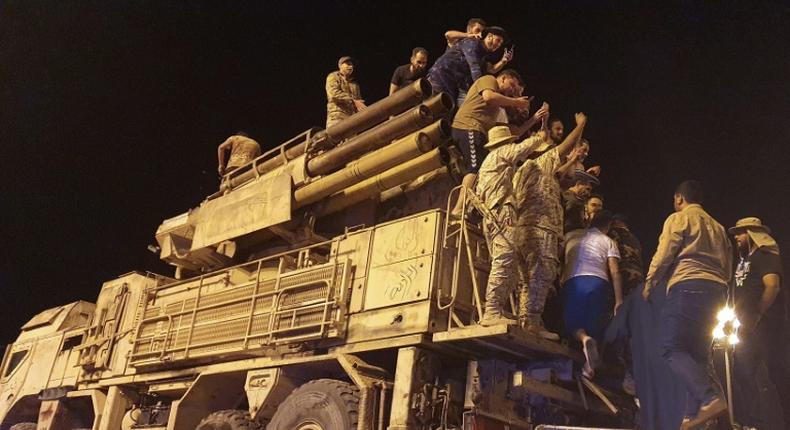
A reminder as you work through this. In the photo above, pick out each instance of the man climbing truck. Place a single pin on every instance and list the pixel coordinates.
(283, 317)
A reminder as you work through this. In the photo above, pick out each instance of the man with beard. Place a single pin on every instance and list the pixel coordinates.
(574, 199)
(343, 97)
(759, 304)
(593, 205)
(539, 224)
(406, 74)
(556, 130)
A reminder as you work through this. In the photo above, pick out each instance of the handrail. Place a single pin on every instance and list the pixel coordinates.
(468, 198)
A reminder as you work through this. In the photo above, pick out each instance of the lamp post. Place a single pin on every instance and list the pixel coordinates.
(725, 337)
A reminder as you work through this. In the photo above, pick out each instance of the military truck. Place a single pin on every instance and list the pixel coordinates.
(323, 287)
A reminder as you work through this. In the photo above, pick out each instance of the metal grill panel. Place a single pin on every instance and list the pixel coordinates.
(225, 319)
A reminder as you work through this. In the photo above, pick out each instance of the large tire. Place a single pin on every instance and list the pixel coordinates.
(229, 419)
(23, 426)
(323, 404)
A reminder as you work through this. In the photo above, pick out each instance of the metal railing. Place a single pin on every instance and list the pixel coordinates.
(460, 234)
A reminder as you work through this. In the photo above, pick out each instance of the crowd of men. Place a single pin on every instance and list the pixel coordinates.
(547, 231)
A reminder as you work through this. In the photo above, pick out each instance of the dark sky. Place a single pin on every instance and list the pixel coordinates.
(110, 112)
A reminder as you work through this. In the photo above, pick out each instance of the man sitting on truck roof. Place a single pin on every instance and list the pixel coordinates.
(474, 29)
(242, 151)
(464, 62)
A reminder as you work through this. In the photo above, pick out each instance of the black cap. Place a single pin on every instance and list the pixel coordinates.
(499, 31)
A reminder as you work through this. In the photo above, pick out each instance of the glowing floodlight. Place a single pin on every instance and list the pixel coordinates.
(726, 330)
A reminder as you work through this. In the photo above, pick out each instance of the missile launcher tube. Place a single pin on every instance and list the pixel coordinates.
(376, 137)
(439, 105)
(380, 111)
(401, 150)
(372, 187)
(374, 114)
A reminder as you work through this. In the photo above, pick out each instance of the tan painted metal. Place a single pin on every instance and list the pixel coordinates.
(385, 180)
(265, 388)
(376, 162)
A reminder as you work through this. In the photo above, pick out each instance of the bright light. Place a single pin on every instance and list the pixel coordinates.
(726, 329)
(726, 314)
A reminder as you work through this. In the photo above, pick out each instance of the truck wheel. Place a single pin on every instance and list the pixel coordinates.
(229, 419)
(323, 404)
(23, 426)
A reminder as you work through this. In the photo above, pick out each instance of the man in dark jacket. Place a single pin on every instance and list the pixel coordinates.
(464, 62)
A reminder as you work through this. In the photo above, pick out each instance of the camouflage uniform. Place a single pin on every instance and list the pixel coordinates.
(538, 232)
(340, 95)
(631, 268)
(242, 151)
(573, 211)
(495, 188)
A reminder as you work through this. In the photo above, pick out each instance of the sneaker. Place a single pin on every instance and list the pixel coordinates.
(489, 320)
(707, 412)
(629, 385)
(590, 348)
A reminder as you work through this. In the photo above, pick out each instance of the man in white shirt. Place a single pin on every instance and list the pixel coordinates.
(591, 272)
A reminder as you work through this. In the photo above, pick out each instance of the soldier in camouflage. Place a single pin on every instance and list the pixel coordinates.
(631, 267)
(343, 97)
(539, 225)
(495, 188)
(242, 151)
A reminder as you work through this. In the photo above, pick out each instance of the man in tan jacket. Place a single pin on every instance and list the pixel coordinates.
(694, 258)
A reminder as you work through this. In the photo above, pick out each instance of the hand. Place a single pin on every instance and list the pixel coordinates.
(507, 56)
(360, 105)
(646, 290)
(594, 170)
(475, 35)
(617, 306)
(523, 102)
(220, 170)
(578, 153)
(581, 119)
(542, 113)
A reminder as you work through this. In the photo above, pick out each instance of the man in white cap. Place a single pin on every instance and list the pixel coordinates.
(760, 307)
(343, 97)
(495, 188)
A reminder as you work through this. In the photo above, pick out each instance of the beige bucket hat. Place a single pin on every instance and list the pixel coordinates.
(499, 135)
(749, 223)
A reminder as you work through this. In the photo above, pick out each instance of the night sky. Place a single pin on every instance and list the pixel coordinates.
(111, 112)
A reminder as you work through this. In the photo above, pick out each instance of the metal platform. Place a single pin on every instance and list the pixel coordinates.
(513, 341)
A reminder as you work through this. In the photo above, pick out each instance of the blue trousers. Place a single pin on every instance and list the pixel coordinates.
(687, 322)
(586, 305)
